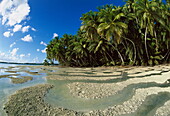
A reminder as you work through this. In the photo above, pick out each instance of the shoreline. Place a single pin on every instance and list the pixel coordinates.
(43, 109)
(34, 104)
(84, 90)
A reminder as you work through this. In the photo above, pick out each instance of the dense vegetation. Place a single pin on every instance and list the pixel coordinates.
(137, 33)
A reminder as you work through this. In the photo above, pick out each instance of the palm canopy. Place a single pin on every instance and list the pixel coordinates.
(137, 33)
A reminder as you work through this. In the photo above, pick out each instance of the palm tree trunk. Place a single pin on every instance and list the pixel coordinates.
(109, 56)
(105, 56)
(83, 63)
(123, 63)
(156, 41)
(119, 54)
(146, 49)
(93, 60)
(135, 51)
(168, 52)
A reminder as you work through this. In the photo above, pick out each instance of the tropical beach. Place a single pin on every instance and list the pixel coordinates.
(135, 91)
(110, 61)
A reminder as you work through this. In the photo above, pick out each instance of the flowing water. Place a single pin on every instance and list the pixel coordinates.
(59, 96)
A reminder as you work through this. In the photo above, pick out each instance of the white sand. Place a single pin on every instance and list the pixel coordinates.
(132, 104)
(100, 90)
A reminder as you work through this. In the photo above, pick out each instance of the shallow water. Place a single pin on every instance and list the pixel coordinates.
(7, 88)
(151, 104)
(60, 96)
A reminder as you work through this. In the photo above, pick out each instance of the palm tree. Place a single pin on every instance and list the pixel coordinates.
(112, 28)
(137, 33)
(101, 50)
(145, 19)
(90, 24)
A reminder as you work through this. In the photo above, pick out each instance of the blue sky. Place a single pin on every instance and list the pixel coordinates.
(26, 26)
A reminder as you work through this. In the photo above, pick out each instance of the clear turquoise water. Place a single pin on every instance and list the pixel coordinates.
(60, 96)
(7, 88)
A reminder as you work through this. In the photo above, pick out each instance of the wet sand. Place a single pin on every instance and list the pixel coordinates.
(100, 83)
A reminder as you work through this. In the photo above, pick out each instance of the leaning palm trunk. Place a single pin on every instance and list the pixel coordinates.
(134, 60)
(110, 56)
(119, 54)
(146, 49)
(123, 63)
(93, 59)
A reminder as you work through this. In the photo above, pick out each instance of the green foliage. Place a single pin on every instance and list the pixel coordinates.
(137, 33)
(46, 63)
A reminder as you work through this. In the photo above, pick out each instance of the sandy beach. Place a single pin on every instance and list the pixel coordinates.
(143, 83)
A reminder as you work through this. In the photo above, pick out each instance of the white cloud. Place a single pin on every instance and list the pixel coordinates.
(28, 54)
(38, 50)
(55, 35)
(7, 34)
(22, 58)
(14, 11)
(12, 44)
(17, 28)
(25, 29)
(14, 51)
(36, 60)
(27, 38)
(7, 57)
(44, 50)
(22, 55)
(2, 54)
(4, 6)
(43, 43)
(33, 29)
